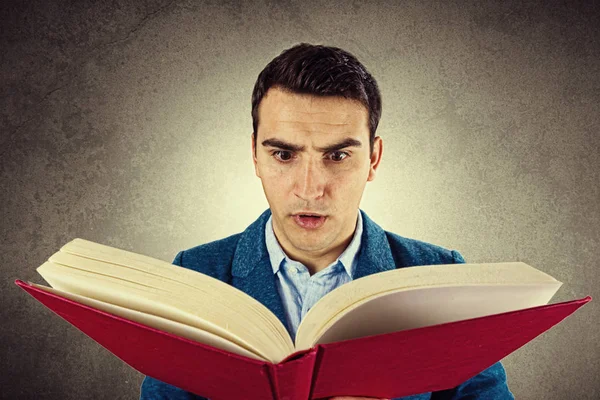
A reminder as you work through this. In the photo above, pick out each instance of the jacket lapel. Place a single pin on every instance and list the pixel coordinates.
(375, 254)
(251, 268)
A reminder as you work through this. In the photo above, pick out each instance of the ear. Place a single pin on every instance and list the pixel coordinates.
(375, 157)
(254, 161)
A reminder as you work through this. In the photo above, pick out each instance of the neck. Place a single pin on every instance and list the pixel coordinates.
(318, 262)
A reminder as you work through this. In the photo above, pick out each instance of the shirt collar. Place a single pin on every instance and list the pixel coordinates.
(277, 255)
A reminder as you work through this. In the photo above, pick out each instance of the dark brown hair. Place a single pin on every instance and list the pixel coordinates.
(321, 71)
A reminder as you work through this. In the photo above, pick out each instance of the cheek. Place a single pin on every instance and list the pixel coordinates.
(276, 180)
(345, 188)
(274, 173)
(350, 179)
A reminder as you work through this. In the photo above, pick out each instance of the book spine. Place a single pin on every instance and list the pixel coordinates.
(316, 368)
(292, 380)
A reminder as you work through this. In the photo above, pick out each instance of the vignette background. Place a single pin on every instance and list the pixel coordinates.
(128, 123)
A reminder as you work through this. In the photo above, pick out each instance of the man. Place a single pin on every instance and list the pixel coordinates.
(315, 111)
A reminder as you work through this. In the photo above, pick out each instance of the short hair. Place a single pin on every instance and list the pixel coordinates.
(321, 71)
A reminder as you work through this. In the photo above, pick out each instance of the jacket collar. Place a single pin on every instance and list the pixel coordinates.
(252, 272)
(375, 254)
(251, 248)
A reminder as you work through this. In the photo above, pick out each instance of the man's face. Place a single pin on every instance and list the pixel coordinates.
(313, 157)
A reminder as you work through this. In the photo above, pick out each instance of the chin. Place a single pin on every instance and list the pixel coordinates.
(308, 247)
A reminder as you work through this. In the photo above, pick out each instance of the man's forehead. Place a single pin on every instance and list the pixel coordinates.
(318, 135)
(286, 106)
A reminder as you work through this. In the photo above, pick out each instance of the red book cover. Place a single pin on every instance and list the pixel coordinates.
(390, 365)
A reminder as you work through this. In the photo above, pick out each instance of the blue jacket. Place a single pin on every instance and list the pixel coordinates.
(242, 261)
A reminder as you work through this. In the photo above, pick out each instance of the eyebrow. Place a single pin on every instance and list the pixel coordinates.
(280, 144)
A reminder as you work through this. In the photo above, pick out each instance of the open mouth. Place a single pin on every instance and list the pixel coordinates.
(309, 221)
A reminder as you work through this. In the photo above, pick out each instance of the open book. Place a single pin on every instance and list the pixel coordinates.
(205, 315)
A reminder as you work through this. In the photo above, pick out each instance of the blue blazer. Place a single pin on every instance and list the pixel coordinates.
(242, 260)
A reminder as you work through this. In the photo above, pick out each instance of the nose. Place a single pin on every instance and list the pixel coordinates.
(310, 180)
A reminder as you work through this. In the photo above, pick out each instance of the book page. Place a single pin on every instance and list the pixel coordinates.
(421, 307)
(163, 324)
(159, 288)
(340, 300)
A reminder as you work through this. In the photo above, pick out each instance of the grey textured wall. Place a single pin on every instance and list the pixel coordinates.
(129, 124)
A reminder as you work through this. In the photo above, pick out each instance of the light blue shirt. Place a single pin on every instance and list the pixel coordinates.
(298, 290)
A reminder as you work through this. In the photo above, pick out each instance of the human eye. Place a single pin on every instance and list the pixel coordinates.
(338, 156)
(282, 155)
